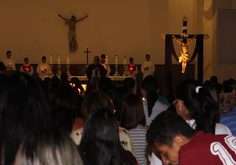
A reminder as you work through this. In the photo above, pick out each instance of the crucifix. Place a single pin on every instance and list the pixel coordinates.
(87, 52)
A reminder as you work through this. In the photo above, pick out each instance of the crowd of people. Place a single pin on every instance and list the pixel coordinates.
(56, 121)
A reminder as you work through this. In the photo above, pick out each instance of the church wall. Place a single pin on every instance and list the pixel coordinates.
(132, 28)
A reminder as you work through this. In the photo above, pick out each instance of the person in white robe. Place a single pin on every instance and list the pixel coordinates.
(43, 69)
(8, 62)
(103, 62)
(148, 67)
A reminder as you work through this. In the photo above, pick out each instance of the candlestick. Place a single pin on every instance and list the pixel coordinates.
(106, 60)
(58, 59)
(116, 60)
(124, 59)
(68, 60)
(51, 59)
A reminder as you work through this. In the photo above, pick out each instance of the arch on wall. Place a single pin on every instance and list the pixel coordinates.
(170, 50)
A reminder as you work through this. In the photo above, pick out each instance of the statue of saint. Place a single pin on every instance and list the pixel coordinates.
(72, 31)
(184, 53)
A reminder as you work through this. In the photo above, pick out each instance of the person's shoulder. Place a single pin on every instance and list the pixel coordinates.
(160, 104)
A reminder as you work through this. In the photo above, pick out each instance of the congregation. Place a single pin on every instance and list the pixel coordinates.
(56, 121)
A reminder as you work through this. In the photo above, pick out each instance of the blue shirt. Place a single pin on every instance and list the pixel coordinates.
(229, 120)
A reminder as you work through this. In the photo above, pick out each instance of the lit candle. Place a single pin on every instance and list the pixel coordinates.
(79, 90)
(131, 68)
(51, 59)
(106, 60)
(116, 59)
(124, 59)
(9, 64)
(68, 60)
(58, 59)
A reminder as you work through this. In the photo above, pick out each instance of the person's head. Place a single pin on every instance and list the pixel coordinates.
(147, 57)
(96, 60)
(211, 88)
(2, 67)
(95, 100)
(26, 61)
(43, 59)
(48, 146)
(23, 107)
(129, 83)
(118, 95)
(105, 85)
(73, 18)
(103, 57)
(64, 108)
(168, 132)
(227, 86)
(150, 89)
(8, 54)
(214, 79)
(131, 60)
(132, 112)
(64, 78)
(100, 140)
(194, 101)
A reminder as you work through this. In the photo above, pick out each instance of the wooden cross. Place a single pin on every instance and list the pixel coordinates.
(87, 52)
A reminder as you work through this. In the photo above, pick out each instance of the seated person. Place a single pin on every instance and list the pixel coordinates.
(96, 69)
(178, 143)
(26, 67)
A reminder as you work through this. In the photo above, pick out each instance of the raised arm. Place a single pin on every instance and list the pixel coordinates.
(176, 39)
(191, 39)
(59, 15)
(81, 18)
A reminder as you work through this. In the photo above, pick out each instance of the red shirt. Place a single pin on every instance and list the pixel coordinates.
(209, 149)
(26, 67)
(131, 67)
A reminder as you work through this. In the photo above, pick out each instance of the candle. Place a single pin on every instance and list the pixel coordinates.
(116, 59)
(106, 60)
(131, 68)
(51, 59)
(79, 90)
(124, 59)
(9, 64)
(58, 59)
(68, 60)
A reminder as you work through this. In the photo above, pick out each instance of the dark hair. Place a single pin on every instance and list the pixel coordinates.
(100, 142)
(118, 95)
(129, 83)
(43, 58)
(64, 107)
(150, 85)
(166, 126)
(227, 86)
(200, 104)
(48, 146)
(2, 67)
(8, 52)
(95, 100)
(132, 112)
(147, 55)
(214, 79)
(26, 59)
(103, 56)
(64, 78)
(23, 107)
(105, 85)
(131, 58)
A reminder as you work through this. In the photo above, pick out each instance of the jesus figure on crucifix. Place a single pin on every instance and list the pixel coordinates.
(72, 31)
(184, 53)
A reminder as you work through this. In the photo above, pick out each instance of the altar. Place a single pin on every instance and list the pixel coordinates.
(113, 78)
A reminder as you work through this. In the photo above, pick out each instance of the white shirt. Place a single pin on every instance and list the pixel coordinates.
(149, 71)
(107, 68)
(41, 67)
(8, 62)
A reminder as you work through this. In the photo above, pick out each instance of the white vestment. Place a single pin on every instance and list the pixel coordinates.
(40, 68)
(149, 71)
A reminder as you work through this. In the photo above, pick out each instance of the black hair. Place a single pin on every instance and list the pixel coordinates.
(103, 56)
(129, 83)
(147, 55)
(2, 67)
(44, 58)
(100, 142)
(23, 107)
(150, 85)
(26, 59)
(214, 79)
(201, 105)
(105, 85)
(8, 52)
(131, 58)
(166, 126)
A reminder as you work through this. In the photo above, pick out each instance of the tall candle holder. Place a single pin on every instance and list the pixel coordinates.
(125, 71)
(59, 70)
(107, 67)
(116, 72)
(51, 72)
(68, 70)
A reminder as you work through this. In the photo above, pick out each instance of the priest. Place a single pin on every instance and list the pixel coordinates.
(96, 69)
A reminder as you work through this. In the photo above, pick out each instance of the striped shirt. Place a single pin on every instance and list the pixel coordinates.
(138, 137)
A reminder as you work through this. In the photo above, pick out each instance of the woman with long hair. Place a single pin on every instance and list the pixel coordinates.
(133, 119)
(152, 107)
(197, 106)
(100, 142)
(23, 107)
